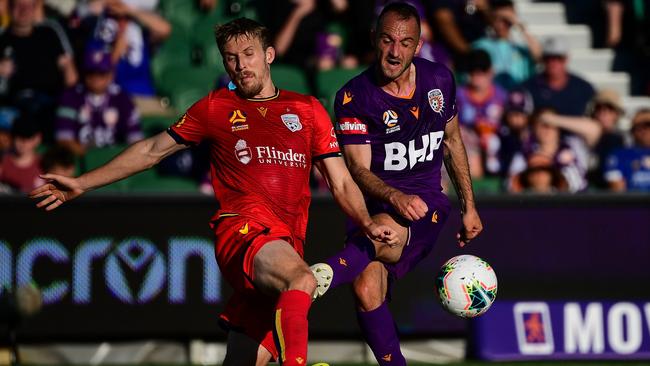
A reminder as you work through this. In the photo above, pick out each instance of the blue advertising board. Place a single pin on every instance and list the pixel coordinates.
(539, 330)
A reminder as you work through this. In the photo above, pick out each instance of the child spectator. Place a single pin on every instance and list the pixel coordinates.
(547, 142)
(480, 108)
(96, 113)
(58, 160)
(514, 132)
(20, 169)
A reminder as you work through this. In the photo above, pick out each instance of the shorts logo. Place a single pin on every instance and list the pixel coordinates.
(243, 152)
(388, 357)
(292, 121)
(434, 217)
(533, 327)
(436, 100)
(347, 97)
(391, 121)
(238, 120)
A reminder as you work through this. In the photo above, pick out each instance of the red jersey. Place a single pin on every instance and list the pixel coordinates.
(261, 152)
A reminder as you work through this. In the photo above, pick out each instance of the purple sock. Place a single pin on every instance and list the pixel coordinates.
(351, 261)
(380, 332)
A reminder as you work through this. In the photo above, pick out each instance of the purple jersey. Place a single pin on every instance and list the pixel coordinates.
(483, 116)
(97, 120)
(405, 134)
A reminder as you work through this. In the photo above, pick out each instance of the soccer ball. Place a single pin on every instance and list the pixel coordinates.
(466, 286)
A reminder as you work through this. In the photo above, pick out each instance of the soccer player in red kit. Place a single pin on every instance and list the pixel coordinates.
(263, 142)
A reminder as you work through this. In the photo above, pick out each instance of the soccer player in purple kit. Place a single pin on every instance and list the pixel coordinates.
(397, 122)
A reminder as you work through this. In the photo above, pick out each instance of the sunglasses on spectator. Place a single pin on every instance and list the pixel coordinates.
(641, 125)
(554, 57)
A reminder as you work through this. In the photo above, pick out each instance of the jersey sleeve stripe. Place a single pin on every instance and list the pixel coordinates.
(325, 156)
(178, 138)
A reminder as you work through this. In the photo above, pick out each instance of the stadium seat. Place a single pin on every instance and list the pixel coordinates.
(184, 99)
(176, 79)
(181, 12)
(152, 125)
(487, 185)
(330, 81)
(100, 156)
(175, 52)
(290, 78)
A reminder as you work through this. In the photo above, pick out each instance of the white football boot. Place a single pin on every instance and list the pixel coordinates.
(323, 273)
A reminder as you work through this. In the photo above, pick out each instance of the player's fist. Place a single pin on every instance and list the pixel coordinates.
(410, 206)
(472, 226)
(55, 191)
(382, 233)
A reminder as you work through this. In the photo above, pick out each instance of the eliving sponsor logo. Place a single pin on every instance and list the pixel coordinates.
(352, 126)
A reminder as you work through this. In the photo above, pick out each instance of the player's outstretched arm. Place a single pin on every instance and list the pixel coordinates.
(141, 155)
(456, 163)
(349, 198)
(358, 158)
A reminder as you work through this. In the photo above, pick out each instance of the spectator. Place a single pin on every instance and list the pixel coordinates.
(58, 160)
(513, 62)
(628, 169)
(20, 169)
(6, 121)
(628, 33)
(598, 130)
(480, 109)
(129, 28)
(460, 22)
(514, 132)
(358, 21)
(41, 19)
(540, 177)
(547, 142)
(34, 66)
(5, 16)
(556, 87)
(295, 25)
(96, 113)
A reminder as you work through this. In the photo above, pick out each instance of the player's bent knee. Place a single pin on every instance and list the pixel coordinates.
(368, 293)
(304, 280)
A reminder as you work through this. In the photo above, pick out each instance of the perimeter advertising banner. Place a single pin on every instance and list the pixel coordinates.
(563, 330)
(120, 267)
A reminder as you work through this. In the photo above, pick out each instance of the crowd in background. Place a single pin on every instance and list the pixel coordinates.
(76, 75)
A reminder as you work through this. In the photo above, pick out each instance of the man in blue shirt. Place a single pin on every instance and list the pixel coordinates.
(628, 169)
(556, 87)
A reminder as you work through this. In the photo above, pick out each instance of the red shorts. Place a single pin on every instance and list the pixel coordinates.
(249, 311)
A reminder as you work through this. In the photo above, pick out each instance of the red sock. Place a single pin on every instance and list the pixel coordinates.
(291, 327)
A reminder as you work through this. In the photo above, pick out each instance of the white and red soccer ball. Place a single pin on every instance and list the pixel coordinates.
(466, 286)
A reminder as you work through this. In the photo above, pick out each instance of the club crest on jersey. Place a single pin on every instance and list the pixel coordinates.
(238, 120)
(243, 152)
(391, 121)
(292, 121)
(436, 100)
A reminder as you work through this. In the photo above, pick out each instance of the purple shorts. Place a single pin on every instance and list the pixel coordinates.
(422, 236)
